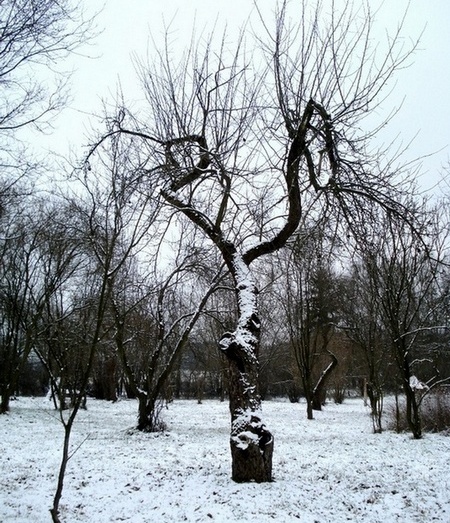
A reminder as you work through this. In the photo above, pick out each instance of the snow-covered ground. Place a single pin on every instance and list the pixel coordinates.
(332, 469)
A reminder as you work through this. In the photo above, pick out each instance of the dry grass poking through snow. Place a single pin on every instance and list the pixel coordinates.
(332, 469)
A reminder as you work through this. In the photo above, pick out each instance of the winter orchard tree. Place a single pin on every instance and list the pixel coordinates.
(33, 267)
(61, 262)
(113, 215)
(14, 302)
(156, 326)
(61, 347)
(39, 258)
(83, 326)
(308, 293)
(128, 232)
(404, 270)
(70, 321)
(363, 324)
(238, 140)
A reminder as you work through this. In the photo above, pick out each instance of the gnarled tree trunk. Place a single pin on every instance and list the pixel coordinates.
(250, 440)
(148, 413)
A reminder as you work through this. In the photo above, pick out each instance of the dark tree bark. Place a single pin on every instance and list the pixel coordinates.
(375, 394)
(148, 414)
(309, 397)
(413, 416)
(4, 404)
(250, 440)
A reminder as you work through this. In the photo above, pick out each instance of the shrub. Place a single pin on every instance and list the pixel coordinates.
(339, 394)
(396, 415)
(434, 411)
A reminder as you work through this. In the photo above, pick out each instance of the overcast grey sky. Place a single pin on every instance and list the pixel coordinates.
(127, 24)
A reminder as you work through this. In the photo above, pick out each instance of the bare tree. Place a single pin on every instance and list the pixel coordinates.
(308, 293)
(158, 333)
(30, 274)
(35, 38)
(61, 261)
(71, 322)
(406, 269)
(365, 327)
(38, 263)
(244, 150)
(148, 316)
(15, 305)
(110, 213)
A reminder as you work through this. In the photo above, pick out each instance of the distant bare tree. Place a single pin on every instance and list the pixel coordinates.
(364, 326)
(34, 266)
(405, 272)
(308, 293)
(154, 328)
(38, 264)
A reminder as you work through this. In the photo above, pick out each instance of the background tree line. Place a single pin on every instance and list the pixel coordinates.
(336, 316)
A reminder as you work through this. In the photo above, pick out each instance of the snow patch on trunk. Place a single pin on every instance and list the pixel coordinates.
(248, 428)
(248, 322)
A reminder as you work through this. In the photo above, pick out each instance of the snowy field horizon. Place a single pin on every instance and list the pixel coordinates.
(330, 469)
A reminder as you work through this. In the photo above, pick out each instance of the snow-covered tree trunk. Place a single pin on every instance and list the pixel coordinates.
(412, 406)
(251, 442)
(319, 392)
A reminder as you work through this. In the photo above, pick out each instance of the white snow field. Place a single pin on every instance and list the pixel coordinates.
(331, 469)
